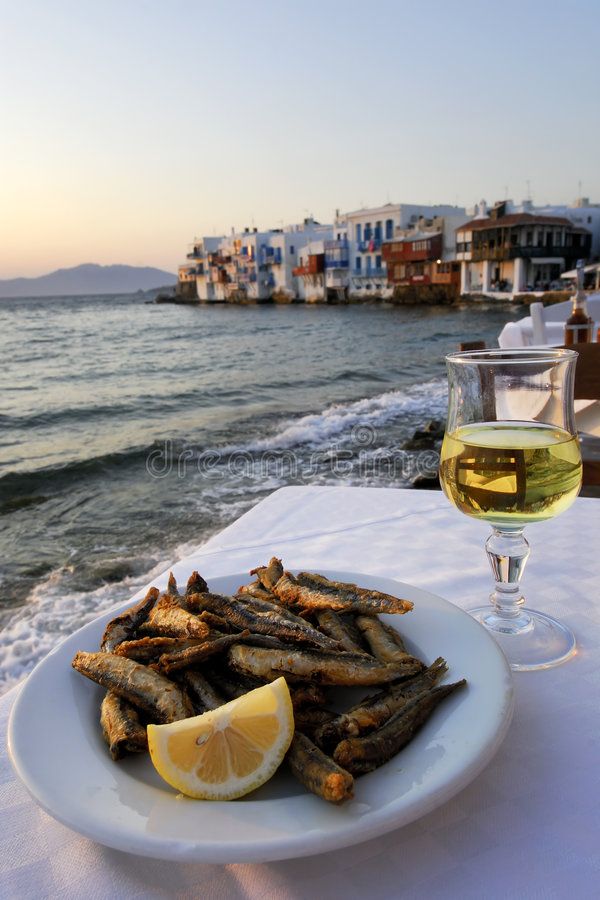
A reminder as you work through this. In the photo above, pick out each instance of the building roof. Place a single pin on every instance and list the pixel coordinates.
(514, 219)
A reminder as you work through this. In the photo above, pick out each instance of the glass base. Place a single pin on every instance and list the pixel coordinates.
(539, 643)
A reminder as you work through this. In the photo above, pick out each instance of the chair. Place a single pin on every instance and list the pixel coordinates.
(587, 387)
(558, 312)
(471, 345)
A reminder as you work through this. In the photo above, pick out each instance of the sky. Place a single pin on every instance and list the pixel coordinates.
(128, 128)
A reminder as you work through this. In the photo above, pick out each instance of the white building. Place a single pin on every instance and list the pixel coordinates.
(354, 261)
(513, 248)
(252, 265)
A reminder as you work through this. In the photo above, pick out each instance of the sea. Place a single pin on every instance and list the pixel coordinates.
(130, 432)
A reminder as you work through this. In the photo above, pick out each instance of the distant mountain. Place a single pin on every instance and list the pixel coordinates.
(88, 279)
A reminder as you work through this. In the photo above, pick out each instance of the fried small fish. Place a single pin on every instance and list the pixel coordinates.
(317, 772)
(233, 684)
(364, 754)
(145, 689)
(258, 621)
(172, 588)
(196, 584)
(198, 652)
(307, 695)
(268, 604)
(121, 727)
(169, 619)
(150, 648)
(309, 719)
(217, 623)
(201, 692)
(317, 592)
(374, 711)
(321, 666)
(381, 642)
(125, 624)
(332, 624)
(270, 574)
(255, 589)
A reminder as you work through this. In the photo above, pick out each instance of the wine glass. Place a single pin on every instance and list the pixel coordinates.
(511, 457)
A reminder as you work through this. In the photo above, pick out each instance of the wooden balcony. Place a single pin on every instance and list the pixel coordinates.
(507, 252)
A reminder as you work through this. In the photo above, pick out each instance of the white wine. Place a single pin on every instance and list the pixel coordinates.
(511, 473)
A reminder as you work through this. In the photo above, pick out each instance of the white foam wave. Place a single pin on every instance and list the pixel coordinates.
(52, 612)
(429, 398)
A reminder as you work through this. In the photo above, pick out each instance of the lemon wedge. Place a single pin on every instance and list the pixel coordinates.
(226, 752)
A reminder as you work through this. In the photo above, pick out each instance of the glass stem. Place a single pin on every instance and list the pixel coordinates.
(508, 552)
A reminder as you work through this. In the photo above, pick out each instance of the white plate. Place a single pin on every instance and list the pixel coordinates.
(57, 749)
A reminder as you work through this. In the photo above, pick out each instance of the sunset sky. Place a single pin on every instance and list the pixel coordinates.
(127, 128)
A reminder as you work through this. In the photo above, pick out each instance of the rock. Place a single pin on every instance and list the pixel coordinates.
(427, 483)
(428, 437)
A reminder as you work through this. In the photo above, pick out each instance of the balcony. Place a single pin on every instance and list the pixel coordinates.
(507, 252)
(332, 263)
(376, 272)
(336, 245)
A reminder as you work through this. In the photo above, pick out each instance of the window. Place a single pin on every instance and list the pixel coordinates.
(368, 231)
(358, 263)
(378, 262)
(377, 231)
(292, 251)
(529, 239)
(359, 232)
(389, 229)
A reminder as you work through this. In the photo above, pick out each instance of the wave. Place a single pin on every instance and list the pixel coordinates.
(429, 399)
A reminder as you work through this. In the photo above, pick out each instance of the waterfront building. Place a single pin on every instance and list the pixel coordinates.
(358, 265)
(197, 269)
(186, 281)
(310, 272)
(252, 265)
(509, 250)
(424, 256)
(337, 260)
(581, 213)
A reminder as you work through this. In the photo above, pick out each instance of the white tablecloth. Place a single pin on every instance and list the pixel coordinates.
(520, 334)
(527, 827)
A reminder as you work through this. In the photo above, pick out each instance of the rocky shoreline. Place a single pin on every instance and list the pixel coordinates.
(413, 298)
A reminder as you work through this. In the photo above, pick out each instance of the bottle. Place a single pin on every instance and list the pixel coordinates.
(578, 327)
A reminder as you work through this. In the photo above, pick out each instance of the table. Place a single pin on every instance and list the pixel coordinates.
(527, 827)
